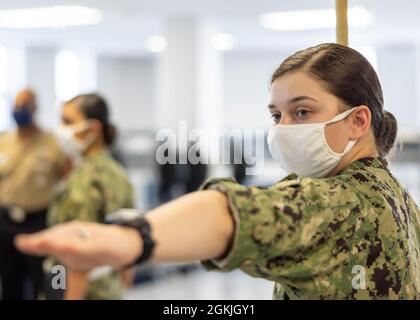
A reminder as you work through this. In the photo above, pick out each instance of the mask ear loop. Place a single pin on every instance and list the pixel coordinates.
(80, 127)
(340, 117)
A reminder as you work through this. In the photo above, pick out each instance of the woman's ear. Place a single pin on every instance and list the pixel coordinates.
(360, 121)
(96, 128)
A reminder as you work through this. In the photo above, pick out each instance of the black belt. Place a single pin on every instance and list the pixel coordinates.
(18, 214)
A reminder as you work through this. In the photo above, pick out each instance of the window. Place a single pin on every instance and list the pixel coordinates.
(370, 54)
(67, 75)
(75, 73)
(5, 119)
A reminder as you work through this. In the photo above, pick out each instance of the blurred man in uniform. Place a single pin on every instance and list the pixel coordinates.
(31, 164)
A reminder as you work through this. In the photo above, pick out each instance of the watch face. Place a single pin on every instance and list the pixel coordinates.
(123, 215)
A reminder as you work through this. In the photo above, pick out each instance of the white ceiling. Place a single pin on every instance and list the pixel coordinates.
(128, 23)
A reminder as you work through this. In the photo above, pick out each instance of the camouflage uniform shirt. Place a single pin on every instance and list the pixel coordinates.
(351, 236)
(97, 187)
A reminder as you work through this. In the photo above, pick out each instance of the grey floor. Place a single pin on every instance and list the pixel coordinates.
(204, 285)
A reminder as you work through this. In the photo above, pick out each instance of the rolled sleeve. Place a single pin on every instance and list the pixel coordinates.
(277, 228)
(241, 206)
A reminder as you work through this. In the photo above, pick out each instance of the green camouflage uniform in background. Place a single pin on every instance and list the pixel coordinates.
(316, 237)
(97, 187)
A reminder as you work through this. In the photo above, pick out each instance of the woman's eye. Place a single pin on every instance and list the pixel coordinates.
(276, 117)
(302, 114)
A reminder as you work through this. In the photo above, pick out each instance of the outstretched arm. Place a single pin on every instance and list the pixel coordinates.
(194, 227)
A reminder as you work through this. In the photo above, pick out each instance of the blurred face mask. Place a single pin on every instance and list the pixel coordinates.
(303, 148)
(71, 145)
(23, 117)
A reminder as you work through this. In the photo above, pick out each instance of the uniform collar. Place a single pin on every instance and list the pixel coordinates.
(99, 154)
(368, 162)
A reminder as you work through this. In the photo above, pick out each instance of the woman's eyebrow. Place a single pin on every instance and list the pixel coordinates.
(292, 101)
(65, 119)
(300, 98)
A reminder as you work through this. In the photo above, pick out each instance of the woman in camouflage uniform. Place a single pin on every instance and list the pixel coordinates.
(339, 226)
(97, 186)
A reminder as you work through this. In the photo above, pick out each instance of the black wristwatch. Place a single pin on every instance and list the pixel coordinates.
(142, 226)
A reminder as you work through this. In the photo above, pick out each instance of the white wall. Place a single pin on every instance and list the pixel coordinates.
(397, 72)
(129, 86)
(246, 92)
(247, 76)
(40, 77)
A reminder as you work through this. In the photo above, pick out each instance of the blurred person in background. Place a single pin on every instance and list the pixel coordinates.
(98, 185)
(178, 179)
(31, 164)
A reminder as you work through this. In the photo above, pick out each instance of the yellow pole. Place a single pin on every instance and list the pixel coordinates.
(342, 28)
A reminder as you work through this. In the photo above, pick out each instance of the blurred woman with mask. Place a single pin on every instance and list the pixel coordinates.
(98, 185)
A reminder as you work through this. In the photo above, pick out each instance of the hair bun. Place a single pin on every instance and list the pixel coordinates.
(388, 135)
(111, 133)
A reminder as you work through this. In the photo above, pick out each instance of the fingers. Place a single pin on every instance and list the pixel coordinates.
(33, 244)
(71, 243)
(83, 245)
(52, 241)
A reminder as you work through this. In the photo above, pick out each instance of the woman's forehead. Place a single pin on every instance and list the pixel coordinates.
(71, 110)
(293, 87)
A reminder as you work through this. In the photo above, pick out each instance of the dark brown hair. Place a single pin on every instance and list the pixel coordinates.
(93, 106)
(350, 77)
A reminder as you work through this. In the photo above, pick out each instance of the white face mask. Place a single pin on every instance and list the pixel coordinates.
(303, 148)
(71, 145)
